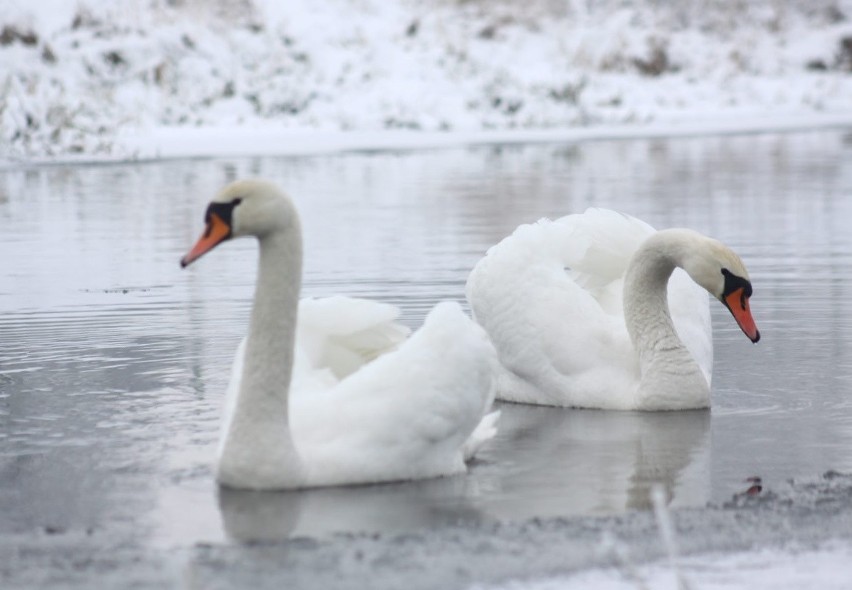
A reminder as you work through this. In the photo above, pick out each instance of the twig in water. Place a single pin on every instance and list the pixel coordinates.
(667, 532)
(625, 565)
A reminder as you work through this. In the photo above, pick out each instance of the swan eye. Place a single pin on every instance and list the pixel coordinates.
(224, 211)
(734, 283)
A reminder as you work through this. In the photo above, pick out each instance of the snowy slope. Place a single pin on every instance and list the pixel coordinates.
(117, 78)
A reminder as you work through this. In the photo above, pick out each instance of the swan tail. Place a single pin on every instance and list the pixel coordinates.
(485, 431)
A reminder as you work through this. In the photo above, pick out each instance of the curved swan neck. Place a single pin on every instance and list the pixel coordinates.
(258, 449)
(668, 369)
(646, 309)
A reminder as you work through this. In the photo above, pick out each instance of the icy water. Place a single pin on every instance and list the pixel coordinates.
(113, 361)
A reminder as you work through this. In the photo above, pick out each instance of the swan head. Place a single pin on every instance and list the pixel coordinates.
(243, 208)
(718, 269)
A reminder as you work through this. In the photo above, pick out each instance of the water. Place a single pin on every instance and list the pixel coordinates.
(113, 361)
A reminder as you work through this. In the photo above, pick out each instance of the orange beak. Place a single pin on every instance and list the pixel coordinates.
(737, 303)
(217, 231)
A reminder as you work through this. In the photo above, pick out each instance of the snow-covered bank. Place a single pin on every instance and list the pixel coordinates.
(172, 142)
(164, 143)
(158, 78)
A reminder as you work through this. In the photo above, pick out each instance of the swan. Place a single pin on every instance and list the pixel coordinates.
(347, 402)
(599, 310)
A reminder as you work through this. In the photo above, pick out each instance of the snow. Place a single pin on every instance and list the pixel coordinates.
(116, 79)
(826, 568)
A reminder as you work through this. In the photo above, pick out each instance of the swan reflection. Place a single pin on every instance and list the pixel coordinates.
(255, 516)
(544, 462)
(557, 462)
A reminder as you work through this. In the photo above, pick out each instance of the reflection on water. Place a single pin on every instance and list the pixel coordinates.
(545, 463)
(605, 461)
(389, 507)
(113, 362)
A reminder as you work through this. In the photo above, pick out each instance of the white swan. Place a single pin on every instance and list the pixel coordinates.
(550, 298)
(417, 411)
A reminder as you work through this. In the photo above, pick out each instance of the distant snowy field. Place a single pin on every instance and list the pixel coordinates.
(113, 79)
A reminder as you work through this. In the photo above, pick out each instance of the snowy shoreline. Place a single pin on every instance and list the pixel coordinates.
(122, 80)
(169, 143)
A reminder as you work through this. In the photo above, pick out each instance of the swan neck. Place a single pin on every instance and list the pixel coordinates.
(259, 451)
(666, 365)
(646, 310)
(272, 328)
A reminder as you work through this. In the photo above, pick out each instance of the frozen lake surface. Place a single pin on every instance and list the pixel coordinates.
(114, 361)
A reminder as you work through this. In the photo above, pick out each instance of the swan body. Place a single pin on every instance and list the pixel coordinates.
(329, 392)
(599, 310)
